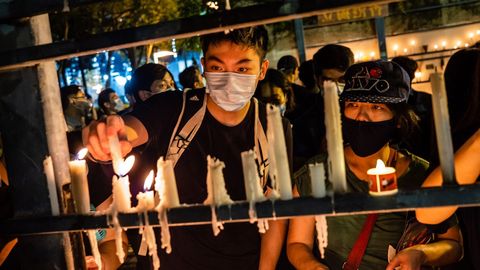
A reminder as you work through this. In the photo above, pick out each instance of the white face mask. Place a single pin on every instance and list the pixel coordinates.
(229, 90)
(119, 106)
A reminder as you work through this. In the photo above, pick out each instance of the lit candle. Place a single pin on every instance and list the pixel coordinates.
(121, 186)
(166, 185)
(217, 193)
(145, 203)
(251, 179)
(442, 127)
(146, 199)
(78, 176)
(336, 160)
(382, 180)
(279, 167)
(52, 188)
(317, 176)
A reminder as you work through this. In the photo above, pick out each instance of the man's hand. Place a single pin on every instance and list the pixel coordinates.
(95, 137)
(407, 259)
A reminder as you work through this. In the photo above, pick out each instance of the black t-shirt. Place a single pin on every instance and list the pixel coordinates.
(195, 247)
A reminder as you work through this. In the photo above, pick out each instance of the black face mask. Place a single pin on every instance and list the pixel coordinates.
(366, 138)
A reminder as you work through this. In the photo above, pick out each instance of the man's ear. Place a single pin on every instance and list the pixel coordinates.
(263, 69)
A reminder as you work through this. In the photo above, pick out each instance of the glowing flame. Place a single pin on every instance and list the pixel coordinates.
(380, 164)
(127, 165)
(148, 181)
(82, 153)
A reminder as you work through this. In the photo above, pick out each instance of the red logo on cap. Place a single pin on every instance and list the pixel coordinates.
(376, 73)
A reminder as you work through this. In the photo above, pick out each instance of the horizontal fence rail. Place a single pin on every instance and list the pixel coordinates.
(345, 204)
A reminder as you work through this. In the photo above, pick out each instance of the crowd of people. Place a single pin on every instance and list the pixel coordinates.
(382, 118)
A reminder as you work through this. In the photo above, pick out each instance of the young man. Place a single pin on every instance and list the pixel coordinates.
(231, 122)
(110, 102)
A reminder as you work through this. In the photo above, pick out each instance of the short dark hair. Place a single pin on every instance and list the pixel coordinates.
(188, 77)
(66, 92)
(287, 64)
(408, 64)
(407, 121)
(306, 75)
(143, 77)
(332, 56)
(275, 78)
(103, 97)
(255, 37)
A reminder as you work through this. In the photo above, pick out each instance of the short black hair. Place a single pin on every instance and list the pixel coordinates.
(332, 56)
(103, 97)
(255, 37)
(287, 64)
(66, 92)
(306, 74)
(188, 77)
(143, 77)
(408, 64)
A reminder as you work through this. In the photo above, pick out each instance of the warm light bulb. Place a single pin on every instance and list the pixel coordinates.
(435, 46)
(418, 74)
(444, 44)
(478, 32)
(395, 47)
(405, 50)
(470, 35)
(372, 54)
(413, 42)
(466, 45)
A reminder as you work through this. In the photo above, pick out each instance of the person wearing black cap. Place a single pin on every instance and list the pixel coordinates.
(375, 117)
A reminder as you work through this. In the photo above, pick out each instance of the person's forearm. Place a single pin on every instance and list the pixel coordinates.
(440, 253)
(301, 256)
(272, 242)
(108, 253)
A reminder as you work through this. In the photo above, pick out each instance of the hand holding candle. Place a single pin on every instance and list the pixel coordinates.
(382, 180)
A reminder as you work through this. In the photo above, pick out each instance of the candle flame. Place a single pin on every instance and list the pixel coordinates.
(82, 153)
(127, 165)
(148, 181)
(380, 164)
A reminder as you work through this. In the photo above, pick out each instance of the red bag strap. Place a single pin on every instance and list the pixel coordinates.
(356, 254)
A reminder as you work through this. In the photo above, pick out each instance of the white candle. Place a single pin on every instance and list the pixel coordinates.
(382, 180)
(146, 199)
(52, 188)
(317, 176)
(278, 154)
(166, 185)
(217, 193)
(336, 160)
(116, 153)
(251, 179)
(79, 183)
(442, 127)
(121, 186)
(94, 246)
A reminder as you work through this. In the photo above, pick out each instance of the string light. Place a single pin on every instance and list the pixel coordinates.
(435, 46)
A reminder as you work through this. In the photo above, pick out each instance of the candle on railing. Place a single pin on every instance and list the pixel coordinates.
(336, 160)
(317, 176)
(116, 153)
(382, 180)
(79, 182)
(52, 187)
(145, 203)
(92, 238)
(121, 186)
(217, 193)
(121, 200)
(442, 127)
(166, 188)
(280, 170)
(166, 184)
(253, 190)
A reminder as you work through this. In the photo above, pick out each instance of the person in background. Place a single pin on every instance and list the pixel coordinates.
(422, 105)
(275, 89)
(462, 83)
(110, 102)
(191, 78)
(307, 77)
(288, 65)
(374, 119)
(330, 63)
(76, 106)
(233, 63)
(148, 80)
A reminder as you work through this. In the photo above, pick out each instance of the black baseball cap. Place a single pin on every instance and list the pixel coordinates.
(376, 82)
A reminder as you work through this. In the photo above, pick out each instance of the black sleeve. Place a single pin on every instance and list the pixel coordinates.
(159, 112)
(443, 227)
(287, 129)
